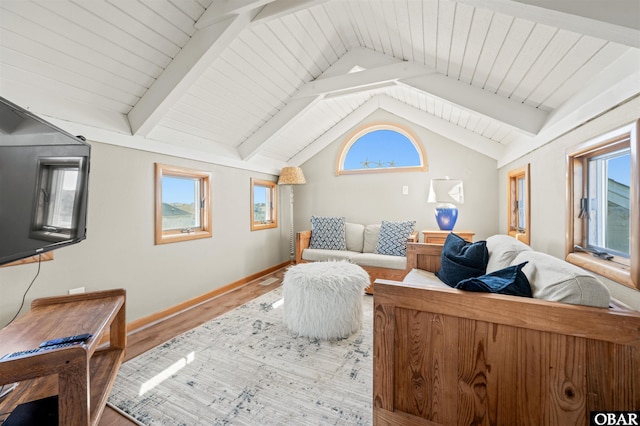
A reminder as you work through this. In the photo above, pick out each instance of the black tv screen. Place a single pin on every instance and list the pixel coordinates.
(44, 181)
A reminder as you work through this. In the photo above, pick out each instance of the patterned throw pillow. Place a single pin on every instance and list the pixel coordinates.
(328, 233)
(393, 237)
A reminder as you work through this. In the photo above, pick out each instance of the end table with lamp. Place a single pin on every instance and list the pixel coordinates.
(437, 236)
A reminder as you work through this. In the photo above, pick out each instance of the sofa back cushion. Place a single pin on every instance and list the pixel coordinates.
(502, 250)
(559, 281)
(371, 233)
(354, 233)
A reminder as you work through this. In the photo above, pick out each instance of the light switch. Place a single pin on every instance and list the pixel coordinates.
(405, 190)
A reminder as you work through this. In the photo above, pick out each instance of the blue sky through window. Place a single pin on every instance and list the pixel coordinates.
(620, 169)
(259, 195)
(382, 149)
(177, 190)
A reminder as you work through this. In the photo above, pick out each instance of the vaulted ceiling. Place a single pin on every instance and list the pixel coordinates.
(260, 84)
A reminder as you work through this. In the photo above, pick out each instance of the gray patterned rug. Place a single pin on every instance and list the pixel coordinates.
(245, 368)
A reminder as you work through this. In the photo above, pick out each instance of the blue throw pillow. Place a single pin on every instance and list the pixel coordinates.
(328, 233)
(461, 260)
(510, 280)
(393, 237)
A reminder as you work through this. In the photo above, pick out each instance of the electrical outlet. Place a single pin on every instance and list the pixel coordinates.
(76, 290)
(405, 190)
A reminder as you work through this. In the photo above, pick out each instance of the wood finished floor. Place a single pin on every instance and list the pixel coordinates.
(156, 334)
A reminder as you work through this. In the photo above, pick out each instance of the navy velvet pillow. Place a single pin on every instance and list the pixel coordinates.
(510, 280)
(461, 260)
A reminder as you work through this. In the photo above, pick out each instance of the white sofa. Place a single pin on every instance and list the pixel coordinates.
(361, 242)
(550, 278)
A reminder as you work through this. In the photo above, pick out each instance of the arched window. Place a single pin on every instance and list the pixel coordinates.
(381, 147)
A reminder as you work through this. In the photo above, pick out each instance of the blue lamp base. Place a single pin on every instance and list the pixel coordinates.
(446, 216)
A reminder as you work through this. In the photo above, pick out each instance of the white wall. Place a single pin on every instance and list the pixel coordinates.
(119, 251)
(371, 198)
(548, 188)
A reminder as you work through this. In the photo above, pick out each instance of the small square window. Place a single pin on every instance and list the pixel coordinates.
(183, 204)
(264, 205)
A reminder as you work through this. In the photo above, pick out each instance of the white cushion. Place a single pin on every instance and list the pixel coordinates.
(371, 233)
(559, 281)
(502, 250)
(354, 233)
(322, 255)
(379, 260)
(421, 278)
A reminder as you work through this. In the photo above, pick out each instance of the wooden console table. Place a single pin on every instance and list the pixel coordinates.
(434, 236)
(81, 375)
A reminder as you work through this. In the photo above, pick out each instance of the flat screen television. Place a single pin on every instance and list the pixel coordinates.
(44, 182)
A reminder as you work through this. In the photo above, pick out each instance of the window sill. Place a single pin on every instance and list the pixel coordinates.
(612, 270)
(179, 236)
(260, 226)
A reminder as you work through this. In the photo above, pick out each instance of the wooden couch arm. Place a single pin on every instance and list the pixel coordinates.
(424, 256)
(303, 239)
(458, 357)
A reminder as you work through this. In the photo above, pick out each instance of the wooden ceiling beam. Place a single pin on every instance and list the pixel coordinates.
(220, 10)
(254, 143)
(189, 64)
(280, 8)
(522, 117)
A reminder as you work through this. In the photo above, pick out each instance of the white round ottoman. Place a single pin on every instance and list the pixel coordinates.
(323, 300)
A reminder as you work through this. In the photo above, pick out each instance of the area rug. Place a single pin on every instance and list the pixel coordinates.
(246, 368)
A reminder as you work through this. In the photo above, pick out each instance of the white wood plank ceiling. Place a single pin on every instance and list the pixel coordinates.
(261, 83)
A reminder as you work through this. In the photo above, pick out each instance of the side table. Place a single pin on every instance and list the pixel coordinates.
(436, 236)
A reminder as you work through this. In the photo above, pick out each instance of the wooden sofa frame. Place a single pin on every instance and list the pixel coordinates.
(449, 357)
(303, 240)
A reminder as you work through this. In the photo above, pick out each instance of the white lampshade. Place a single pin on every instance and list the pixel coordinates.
(291, 176)
(446, 191)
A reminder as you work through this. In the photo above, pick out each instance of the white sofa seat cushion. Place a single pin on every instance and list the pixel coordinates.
(423, 279)
(559, 281)
(379, 260)
(502, 250)
(354, 235)
(323, 255)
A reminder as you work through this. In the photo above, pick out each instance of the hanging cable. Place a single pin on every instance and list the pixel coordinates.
(27, 291)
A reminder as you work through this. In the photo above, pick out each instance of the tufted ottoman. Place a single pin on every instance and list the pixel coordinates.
(323, 300)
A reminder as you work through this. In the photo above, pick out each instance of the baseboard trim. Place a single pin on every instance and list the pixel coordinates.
(142, 323)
